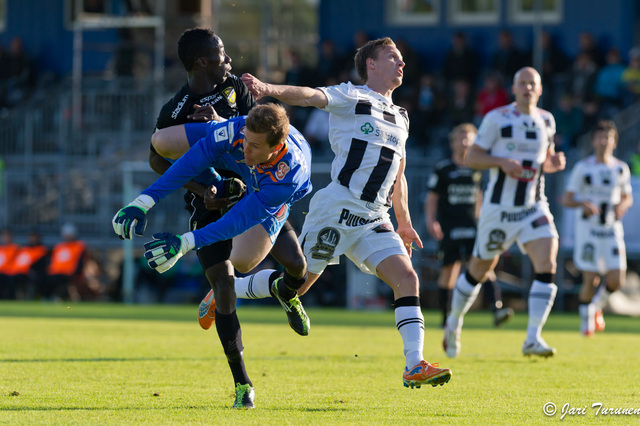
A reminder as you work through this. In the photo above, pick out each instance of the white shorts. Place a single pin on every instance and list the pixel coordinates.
(599, 249)
(339, 224)
(499, 227)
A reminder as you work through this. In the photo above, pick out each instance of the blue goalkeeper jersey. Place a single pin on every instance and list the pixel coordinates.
(269, 186)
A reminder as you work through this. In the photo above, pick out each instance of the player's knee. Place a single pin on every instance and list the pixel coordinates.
(297, 266)
(158, 141)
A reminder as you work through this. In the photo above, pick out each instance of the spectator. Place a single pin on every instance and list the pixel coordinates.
(329, 62)
(461, 107)
(507, 58)
(461, 62)
(349, 71)
(588, 45)
(27, 269)
(8, 250)
(631, 77)
(554, 64)
(582, 79)
(491, 95)
(569, 119)
(17, 73)
(66, 278)
(608, 85)
(634, 161)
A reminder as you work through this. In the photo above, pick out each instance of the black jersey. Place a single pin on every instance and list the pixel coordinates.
(457, 188)
(229, 99)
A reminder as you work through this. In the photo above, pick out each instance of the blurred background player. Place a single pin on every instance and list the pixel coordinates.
(600, 185)
(451, 210)
(263, 149)
(515, 143)
(351, 215)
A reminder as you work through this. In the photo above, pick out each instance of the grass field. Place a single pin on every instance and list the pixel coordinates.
(115, 364)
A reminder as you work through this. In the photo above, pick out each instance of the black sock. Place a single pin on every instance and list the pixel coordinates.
(444, 300)
(291, 285)
(230, 335)
(494, 294)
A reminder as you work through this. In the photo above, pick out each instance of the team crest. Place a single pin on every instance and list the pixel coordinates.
(282, 171)
(230, 94)
(328, 239)
(281, 214)
(588, 252)
(496, 239)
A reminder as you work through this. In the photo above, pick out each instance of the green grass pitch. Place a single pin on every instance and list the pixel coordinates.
(103, 364)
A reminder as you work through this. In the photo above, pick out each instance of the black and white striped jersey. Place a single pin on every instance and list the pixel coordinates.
(368, 134)
(508, 133)
(601, 183)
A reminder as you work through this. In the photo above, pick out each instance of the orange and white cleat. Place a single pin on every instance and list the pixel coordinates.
(207, 311)
(599, 321)
(425, 373)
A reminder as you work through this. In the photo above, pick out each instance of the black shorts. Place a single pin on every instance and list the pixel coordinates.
(201, 217)
(451, 251)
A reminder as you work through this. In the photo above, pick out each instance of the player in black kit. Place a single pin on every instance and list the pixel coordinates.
(212, 93)
(451, 209)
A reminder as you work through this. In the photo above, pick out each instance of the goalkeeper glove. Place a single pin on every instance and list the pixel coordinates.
(233, 190)
(132, 215)
(165, 249)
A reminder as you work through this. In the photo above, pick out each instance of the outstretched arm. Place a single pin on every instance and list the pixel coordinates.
(292, 95)
(400, 201)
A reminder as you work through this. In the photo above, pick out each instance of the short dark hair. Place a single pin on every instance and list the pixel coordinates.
(271, 119)
(606, 126)
(193, 44)
(369, 50)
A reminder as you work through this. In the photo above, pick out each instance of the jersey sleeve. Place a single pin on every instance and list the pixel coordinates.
(248, 212)
(435, 181)
(625, 179)
(195, 161)
(574, 184)
(341, 98)
(164, 118)
(487, 132)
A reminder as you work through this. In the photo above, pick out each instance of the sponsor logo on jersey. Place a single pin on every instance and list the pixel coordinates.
(230, 94)
(221, 134)
(389, 137)
(366, 128)
(496, 239)
(511, 146)
(328, 239)
(517, 216)
(351, 219)
(176, 111)
(527, 175)
(210, 100)
(605, 233)
(282, 170)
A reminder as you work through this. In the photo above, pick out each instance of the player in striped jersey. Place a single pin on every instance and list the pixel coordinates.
(515, 143)
(451, 209)
(350, 216)
(600, 185)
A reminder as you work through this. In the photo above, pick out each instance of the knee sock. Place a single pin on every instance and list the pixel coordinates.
(494, 294)
(464, 294)
(587, 318)
(601, 297)
(541, 298)
(230, 335)
(410, 324)
(256, 286)
(444, 300)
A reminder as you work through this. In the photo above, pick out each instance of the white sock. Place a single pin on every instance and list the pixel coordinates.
(541, 298)
(410, 324)
(254, 286)
(587, 317)
(464, 294)
(601, 297)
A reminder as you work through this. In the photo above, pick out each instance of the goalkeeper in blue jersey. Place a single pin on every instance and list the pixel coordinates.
(272, 158)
